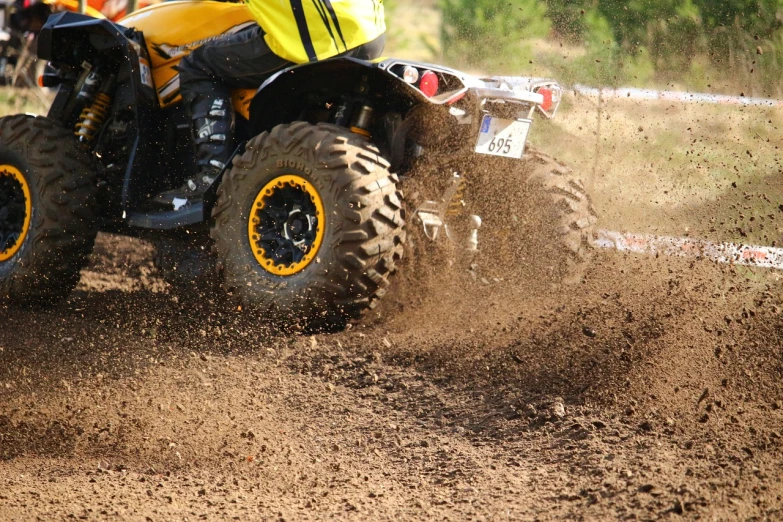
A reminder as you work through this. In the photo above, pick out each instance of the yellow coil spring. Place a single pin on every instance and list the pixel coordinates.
(455, 204)
(92, 117)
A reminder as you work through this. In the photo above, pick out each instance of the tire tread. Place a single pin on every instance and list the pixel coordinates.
(64, 225)
(370, 222)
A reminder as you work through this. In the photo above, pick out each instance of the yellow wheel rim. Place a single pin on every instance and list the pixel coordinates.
(286, 225)
(16, 207)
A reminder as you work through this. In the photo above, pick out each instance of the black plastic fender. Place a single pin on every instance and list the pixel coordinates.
(280, 97)
(73, 38)
(63, 32)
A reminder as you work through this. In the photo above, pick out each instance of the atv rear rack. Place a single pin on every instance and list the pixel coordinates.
(509, 89)
(520, 90)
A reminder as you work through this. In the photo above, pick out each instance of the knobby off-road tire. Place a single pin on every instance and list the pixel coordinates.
(538, 221)
(62, 225)
(572, 217)
(363, 225)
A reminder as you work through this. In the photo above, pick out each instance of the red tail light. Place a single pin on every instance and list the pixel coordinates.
(429, 84)
(547, 94)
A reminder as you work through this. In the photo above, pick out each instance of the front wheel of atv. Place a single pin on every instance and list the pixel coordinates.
(47, 219)
(309, 225)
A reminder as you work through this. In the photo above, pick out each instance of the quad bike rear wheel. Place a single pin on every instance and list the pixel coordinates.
(538, 219)
(572, 214)
(309, 225)
(47, 219)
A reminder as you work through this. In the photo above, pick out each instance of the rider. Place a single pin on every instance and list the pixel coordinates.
(288, 32)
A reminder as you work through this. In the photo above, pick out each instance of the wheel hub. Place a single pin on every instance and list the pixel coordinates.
(15, 211)
(299, 227)
(285, 228)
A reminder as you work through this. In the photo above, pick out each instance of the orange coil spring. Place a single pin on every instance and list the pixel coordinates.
(92, 117)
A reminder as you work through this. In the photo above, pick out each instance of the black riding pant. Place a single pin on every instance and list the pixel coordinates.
(242, 61)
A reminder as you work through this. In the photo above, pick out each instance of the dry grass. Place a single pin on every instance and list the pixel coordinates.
(15, 101)
(706, 170)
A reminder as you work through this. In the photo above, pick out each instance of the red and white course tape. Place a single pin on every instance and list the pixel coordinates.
(675, 96)
(729, 253)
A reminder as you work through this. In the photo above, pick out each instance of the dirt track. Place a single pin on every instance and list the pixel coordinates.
(652, 391)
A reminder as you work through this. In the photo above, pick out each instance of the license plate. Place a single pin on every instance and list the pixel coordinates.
(501, 137)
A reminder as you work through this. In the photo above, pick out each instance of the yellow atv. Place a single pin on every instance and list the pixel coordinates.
(307, 221)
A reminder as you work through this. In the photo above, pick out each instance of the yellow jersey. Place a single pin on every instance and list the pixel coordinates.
(303, 31)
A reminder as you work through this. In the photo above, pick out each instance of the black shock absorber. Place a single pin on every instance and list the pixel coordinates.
(356, 116)
(95, 95)
(362, 121)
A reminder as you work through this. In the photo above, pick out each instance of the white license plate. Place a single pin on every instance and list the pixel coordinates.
(501, 137)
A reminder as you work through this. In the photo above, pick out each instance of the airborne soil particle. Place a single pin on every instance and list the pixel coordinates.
(651, 390)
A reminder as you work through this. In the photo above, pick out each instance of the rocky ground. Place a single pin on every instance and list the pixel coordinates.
(652, 391)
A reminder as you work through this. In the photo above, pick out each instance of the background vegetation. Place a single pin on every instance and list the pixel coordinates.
(700, 170)
(726, 46)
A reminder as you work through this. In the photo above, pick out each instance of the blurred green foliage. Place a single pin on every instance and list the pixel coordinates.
(491, 32)
(735, 44)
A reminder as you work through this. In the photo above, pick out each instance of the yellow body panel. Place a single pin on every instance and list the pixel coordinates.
(173, 30)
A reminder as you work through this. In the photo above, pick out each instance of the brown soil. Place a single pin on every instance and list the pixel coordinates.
(651, 391)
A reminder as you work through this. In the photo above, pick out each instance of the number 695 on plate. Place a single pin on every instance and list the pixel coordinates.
(502, 137)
